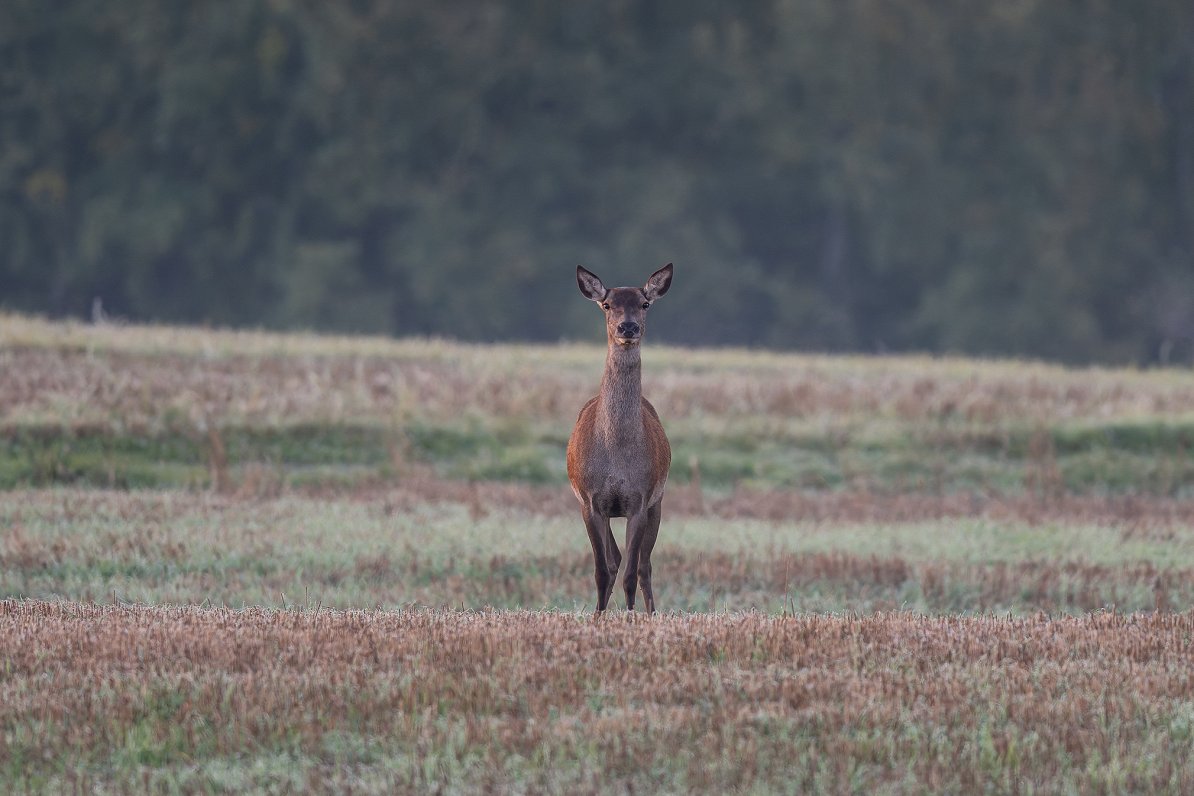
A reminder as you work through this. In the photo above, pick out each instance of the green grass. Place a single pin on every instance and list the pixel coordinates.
(1116, 459)
(359, 553)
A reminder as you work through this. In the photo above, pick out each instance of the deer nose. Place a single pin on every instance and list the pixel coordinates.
(628, 329)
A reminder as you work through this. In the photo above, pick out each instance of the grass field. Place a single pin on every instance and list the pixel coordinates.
(167, 698)
(238, 562)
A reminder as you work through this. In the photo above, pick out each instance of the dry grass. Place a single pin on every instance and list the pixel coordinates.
(95, 696)
(153, 377)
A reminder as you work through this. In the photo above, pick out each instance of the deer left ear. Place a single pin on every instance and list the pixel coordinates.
(659, 282)
(590, 286)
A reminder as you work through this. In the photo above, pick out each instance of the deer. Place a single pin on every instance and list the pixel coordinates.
(618, 453)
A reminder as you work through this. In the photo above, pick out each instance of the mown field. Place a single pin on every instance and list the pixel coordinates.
(242, 561)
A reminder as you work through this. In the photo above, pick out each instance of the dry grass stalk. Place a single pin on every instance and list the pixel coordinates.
(1043, 476)
(217, 461)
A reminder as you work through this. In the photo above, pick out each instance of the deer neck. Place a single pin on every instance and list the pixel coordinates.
(620, 404)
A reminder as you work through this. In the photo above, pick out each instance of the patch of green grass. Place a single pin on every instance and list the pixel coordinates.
(527, 464)
(42, 456)
(1146, 437)
(450, 443)
(1148, 459)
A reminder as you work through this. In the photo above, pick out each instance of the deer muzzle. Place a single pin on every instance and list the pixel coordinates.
(628, 331)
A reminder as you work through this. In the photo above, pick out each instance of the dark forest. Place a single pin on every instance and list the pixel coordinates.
(1011, 178)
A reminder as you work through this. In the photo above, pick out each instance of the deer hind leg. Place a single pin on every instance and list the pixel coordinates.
(613, 559)
(650, 532)
(598, 528)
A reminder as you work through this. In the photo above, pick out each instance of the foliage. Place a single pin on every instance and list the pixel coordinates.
(1007, 177)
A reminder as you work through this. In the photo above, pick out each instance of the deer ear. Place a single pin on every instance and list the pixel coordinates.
(659, 282)
(590, 286)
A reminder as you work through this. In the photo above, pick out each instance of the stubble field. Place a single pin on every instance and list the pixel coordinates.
(243, 561)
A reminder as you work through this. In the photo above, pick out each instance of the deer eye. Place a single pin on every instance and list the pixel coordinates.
(646, 304)
(605, 305)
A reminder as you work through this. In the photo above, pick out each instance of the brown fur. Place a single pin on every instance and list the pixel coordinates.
(618, 454)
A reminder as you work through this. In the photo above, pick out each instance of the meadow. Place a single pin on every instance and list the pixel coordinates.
(242, 561)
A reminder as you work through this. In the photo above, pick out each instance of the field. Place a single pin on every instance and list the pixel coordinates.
(238, 562)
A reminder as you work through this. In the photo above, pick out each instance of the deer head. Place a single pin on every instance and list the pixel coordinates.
(625, 308)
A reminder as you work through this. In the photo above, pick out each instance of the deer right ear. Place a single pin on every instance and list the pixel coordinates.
(590, 286)
(659, 282)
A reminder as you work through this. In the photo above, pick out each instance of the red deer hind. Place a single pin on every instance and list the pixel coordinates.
(618, 455)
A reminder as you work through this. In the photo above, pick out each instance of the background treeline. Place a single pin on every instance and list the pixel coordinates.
(1012, 177)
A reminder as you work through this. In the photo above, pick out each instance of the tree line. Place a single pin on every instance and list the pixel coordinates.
(1011, 178)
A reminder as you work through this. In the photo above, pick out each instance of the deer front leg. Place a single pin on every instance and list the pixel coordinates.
(638, 529)
(598, 529)
(650, 533)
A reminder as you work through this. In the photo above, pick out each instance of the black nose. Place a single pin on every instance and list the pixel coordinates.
(628, 329)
